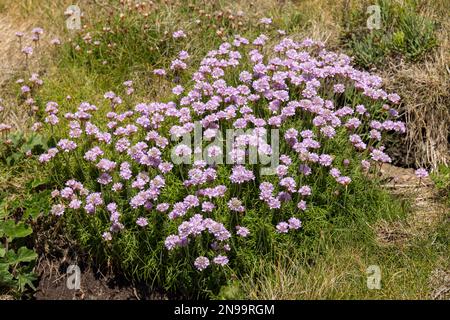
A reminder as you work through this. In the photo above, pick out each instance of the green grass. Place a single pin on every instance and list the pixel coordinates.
(404, 33)
(334, 264)
(441, 179)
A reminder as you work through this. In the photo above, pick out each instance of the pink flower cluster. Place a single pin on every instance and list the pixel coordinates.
(293, 82)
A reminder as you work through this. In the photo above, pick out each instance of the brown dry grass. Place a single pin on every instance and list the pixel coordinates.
(425, 91)
(23, 16)
(427, 209)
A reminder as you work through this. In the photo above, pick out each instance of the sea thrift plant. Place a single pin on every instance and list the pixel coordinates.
(293, 102)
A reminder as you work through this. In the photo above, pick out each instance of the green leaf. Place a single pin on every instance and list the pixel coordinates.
(3, 211)
(26, 255)
(38, 203)
(13, 231)
(26, 279)
(37, 182)
(6, 277)
(2, 252)
(23, 255)
(16, 139)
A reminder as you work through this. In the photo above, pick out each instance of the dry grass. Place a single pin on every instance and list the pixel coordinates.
(427, 211)
(23, 16)
(440, 281)
(425, 90)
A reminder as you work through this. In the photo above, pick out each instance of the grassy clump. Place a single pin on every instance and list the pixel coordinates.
(404, 33)
(441, 179)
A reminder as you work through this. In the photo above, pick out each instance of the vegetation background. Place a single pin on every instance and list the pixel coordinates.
(396, 222)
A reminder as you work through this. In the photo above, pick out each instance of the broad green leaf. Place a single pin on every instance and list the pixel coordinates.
(13, 231)
(23, 255)
(26, 255)
(37, 204)
(32, 212)
(37, 182)
(2, 252)
(26, 279)
(6, 277)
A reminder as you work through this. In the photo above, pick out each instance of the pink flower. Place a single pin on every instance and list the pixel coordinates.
(421, 173)
(142, 222)
(58, 210)
(240, 175)
(159, 72)
(242, 231)
(236, 205)
(27, 50)
(178, 90)
(302, 205)
(266, 21)
(294, 223)
(282, 227)
(66, 145)
(179, 34)
(107, 236)
(221, 260)
(201, 263)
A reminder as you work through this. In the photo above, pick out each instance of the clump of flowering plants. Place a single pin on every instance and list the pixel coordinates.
(238, 157)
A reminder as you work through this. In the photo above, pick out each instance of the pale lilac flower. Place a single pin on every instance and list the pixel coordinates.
(75, 204)
(208, 206)
(236, 205)
(302, 205)
(93, 154)
(172, 241)
(57, 210)
(344, 180)
(179, 34)
(107, 236)
(294, 223)
(27, 50)
(55, 193)
(142, 222)
(240, 174)
(335, 173)
(305, 191)
(117, 187)
(265, 21)
(183, 55)
(365, 165)
(66, 145)
(55, 42)
(242, 231)
(106, 165)
(282, 227)
(201, 263)
(25, 89)
(221, 260)
(162, 207)
(178, 90)
(159, 72)
(421, 173)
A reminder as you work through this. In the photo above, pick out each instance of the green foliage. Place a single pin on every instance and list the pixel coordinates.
(405, 33)
(15, 267)
(88, 68)
(14, 147)
(130, 49)
(18, 210)
(441, 178)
